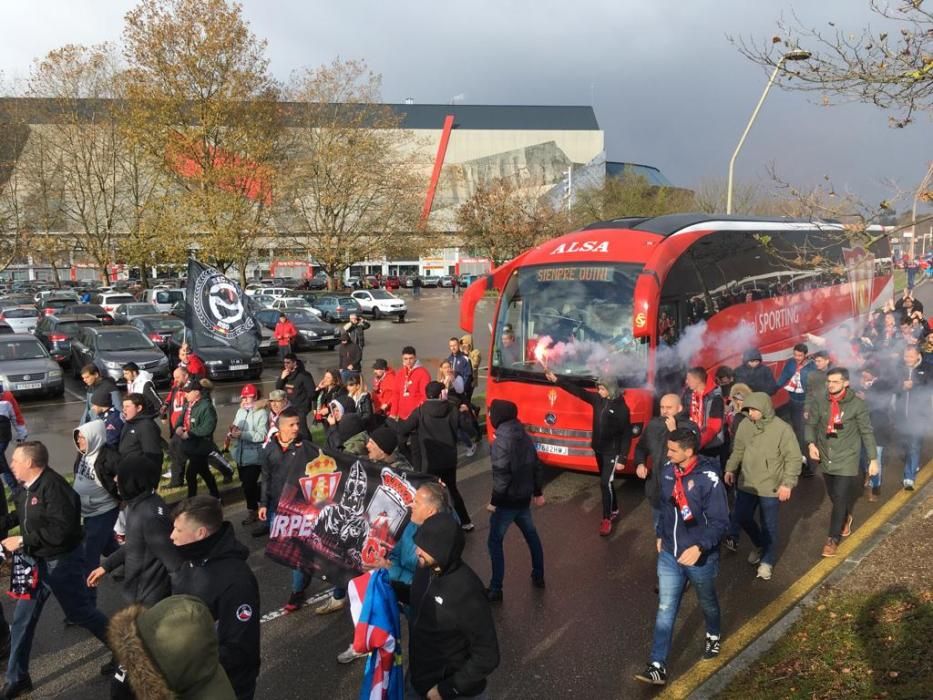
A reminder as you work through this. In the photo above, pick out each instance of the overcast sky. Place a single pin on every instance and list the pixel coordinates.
(668, 88)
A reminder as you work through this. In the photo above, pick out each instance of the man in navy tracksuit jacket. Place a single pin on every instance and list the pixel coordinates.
(694, 518)
(793, 379)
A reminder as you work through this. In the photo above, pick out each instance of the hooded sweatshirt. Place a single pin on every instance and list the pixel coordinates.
(436, 422)
(215, 570)
(148, 555)
(170, 651)
(612, 431)
(758, 378)
(144, 384)
(516, 469)
(94, 471)
(765, 453)
(453, 642)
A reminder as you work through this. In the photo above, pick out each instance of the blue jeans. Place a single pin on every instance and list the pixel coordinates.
(671, 580)
(64, 579)
(765, 535)
(499, 522)
(912, 458)
(98, 539)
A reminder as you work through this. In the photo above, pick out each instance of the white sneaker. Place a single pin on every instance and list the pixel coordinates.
(764, 571)
(167, 475)
(331, 605)
(755, 556)
(349, 655)
(470, 451)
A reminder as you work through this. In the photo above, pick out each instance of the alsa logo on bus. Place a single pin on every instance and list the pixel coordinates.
(582, 247)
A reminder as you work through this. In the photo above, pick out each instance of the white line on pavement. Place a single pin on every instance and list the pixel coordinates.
(313, 600)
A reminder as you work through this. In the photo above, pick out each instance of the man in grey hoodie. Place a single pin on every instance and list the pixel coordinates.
(94, 469)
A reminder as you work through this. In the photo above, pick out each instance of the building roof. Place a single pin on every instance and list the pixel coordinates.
(500, 117)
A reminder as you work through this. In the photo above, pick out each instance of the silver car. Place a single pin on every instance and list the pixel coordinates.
(27, 368)
(22, 319)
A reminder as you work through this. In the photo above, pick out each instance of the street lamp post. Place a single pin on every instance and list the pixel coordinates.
(795, 55)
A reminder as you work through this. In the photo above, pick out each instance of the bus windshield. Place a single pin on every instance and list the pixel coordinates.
(574, 319)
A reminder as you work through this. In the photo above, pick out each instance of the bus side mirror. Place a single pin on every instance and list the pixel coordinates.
(645, 300)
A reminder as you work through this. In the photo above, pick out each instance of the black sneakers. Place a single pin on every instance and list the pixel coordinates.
(654, 674)
(711, 648)
(14, 690)
(731, 544)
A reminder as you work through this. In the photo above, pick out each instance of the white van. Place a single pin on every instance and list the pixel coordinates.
(164, 299)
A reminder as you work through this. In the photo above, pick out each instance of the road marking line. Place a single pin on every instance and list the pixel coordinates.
(76, 395)
(281, 612)
(732, 645)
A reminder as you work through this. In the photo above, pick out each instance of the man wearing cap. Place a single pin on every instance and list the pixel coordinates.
(197, 434)
(103, 410)
(285, 334)
(382, 447)
(452, 645)
(298, 385)
(766, 457)
(248, 434)
(383, 390)
(93, 380)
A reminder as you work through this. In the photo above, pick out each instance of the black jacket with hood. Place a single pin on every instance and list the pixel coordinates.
(653, 443)
(141, 437)
(516, 469)
(148, 555)
(452, 642)
(215, 570)
(106, 458)
(349, 423)
(758, 378)
(612, 430)
(436, 422)
(300, 389)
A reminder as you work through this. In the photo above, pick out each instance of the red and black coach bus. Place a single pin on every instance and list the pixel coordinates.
(598, 300)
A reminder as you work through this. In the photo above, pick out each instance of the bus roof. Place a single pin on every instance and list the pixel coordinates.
(675, 223)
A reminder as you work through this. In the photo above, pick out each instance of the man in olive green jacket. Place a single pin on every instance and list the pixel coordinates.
(837, 429)
(766, 456)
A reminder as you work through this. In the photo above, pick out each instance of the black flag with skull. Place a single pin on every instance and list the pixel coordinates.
(216, 312)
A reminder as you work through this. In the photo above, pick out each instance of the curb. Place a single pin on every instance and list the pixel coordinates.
(760, 632)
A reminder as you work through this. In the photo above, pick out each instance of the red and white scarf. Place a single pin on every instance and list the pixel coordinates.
(679, 495)
(697, 414)
(835, 413)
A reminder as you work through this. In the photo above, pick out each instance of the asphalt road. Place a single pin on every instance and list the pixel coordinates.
(582, 637)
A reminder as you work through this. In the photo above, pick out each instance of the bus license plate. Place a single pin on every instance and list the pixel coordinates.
(27, 387)
(552, 449)
(235, 368)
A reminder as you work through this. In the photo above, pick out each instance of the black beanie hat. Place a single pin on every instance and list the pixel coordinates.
(433, 390)
(442, 538)
(137, 475)
(500, 411)
(386, 438)
(101, 397)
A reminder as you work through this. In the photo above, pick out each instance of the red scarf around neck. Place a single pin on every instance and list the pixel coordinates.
(697, 414)
(679, 495)
(835, 414)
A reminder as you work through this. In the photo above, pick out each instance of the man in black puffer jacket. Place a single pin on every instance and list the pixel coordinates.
(435, 423)
(755, 373)
(611, 436)
(516, 479)
(140, 435)
(215, 570)
(452, 643)
(148, 555)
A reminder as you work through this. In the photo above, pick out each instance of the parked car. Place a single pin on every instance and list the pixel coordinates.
(111, 347)
(380, 303)
(125, 313)
(269, 291)
(5, 328)
(430, 281)
(312, 332)
(44, 294)
(288, 303)
(445, 281)
(55, 303)
(157, 327)
(27, 368)
(22, 319)
(319, 281)
(221, 361)
(111, 300)
(164, 299)
(264, 300)
(468, 278)
(95, 310)
(336, 308)
(56, 333)
(353, 282)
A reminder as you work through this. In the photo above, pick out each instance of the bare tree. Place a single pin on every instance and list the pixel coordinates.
(890, 66)
(353, 189)
(502, 220)
(628, 195)
(202, 101)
